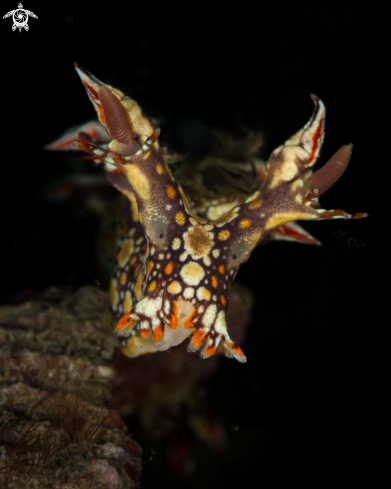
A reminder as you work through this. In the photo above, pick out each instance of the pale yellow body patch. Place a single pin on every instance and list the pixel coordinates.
(176, 244)
(126, 252)
(216, 211)
(122, 279)
(149, 268)
(137, 288)
(188, 293)
(203, 294)
(139, 181)
(128, 303)
(209, 316)
(152, 286)
(192, 273)
(174, 287)
(284, 217)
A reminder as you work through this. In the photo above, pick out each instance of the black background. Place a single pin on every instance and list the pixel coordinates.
(313, 400)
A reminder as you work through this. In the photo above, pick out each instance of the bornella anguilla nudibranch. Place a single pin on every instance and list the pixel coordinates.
(175, 265)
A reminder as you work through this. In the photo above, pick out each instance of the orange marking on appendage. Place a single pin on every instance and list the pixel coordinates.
(122, 279)
(189, 322)
(245, 223)
(223, 300)
(171, 192)
(236, 348)
(197, 339)
(209, 351)
(133, 260)
(174, 319)
(144, 332)
(180, 218)
(152, 286)
(137, 269)
(222, 269)
(158, 333)
(169, 268)
(149, 269)
(159, 169)
(254, 204)
(215, 282)
(124, 323)
(315, 141)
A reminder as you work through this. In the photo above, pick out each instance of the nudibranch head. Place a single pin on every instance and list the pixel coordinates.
(174, 268)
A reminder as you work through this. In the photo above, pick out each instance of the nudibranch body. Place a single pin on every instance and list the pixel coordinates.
(174, 264)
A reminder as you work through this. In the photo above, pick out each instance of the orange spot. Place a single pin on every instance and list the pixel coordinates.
(197, 339)
(158, 333)
(149, 269)
(222, 269)
(236, 348)
(133, 260)
(223, 235)
(189, 322)
(245, 223)
(122, 279)
(152, 286)
(145, 246)
(125, 229)
(215, 282)
(169, 268)
(254, 204)
(171, 192)
(209, 351)
(124, 323)
(137, 269)
(159, 169)
(174, 319)
(180, 218)
(144, 332)
(223, 300)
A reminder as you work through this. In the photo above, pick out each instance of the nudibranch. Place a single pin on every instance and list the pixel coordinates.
(174, 267)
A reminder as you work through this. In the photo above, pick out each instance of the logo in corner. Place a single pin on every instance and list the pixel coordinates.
(20, 17)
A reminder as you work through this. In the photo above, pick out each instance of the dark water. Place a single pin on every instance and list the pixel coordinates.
(311, 402)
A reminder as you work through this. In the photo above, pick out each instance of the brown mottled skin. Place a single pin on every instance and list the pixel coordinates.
(174, 268)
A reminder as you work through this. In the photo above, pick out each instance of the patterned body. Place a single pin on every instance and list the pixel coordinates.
(178, 254)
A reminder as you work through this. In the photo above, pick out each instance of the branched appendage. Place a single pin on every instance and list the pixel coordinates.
(190, 262)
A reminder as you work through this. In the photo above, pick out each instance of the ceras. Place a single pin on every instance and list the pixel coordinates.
(174, 268)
